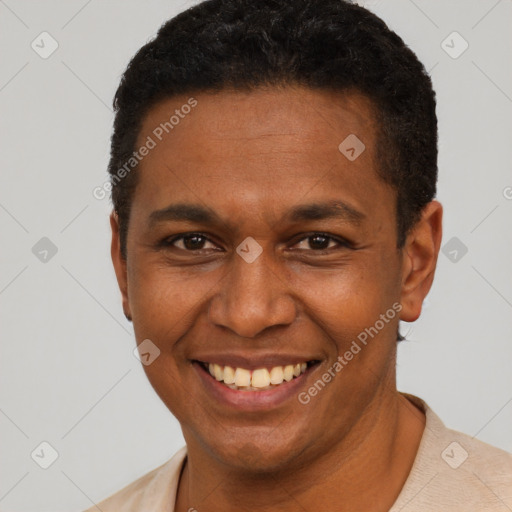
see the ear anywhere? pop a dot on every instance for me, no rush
(119, 264)
(420, 253)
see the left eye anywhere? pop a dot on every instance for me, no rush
(319, 242)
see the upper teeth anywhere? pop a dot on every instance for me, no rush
(259, 378)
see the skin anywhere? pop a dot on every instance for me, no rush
(251, 157)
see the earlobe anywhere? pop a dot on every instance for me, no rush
(119, 264)
(419, 260)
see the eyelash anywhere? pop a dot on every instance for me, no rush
(169, 242)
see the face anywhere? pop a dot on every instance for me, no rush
(255, 243)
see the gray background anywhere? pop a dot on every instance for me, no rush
(68, 374)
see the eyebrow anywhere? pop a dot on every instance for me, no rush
(329, 210)
(199, 214)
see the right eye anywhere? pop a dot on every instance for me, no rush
(189, 242)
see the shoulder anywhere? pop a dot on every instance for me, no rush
(484, 471)
(455, 472)
(154, 491)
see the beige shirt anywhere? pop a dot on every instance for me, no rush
(451, 472)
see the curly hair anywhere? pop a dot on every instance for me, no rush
(322, 44)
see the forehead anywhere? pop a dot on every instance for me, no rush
(265, 148)
(246, 119)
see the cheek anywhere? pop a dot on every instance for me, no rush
(353, 310)
(165, 303)
(346, 300)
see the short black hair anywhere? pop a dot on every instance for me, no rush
(322, 44)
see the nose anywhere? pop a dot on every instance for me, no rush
(253, 297)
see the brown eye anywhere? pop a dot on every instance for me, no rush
(194, 242)
(318, 242)
(190, 242)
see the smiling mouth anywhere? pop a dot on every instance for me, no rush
(260, 379)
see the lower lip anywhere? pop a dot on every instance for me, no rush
(253, 400)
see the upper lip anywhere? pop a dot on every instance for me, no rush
(254, 361)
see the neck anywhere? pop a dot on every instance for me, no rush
(365, 470)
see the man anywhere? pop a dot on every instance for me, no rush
(273, 172)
